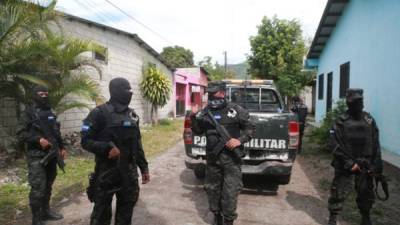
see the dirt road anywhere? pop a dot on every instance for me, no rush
(176, 197)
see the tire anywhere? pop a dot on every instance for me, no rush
(200, 171)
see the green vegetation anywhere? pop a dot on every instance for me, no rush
(216, 71)
(320, 135)
(178, 57)
(161, 137)
(155, 88)
(14, 196)
(277, 53)
(239, 70)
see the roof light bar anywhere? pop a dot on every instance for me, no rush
(249, 82)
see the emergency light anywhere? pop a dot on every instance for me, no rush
(249, 82)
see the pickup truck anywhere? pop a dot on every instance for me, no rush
(272, 151)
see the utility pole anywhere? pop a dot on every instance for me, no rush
(225, 61)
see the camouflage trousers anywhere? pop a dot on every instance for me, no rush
(127, 197)
(41, 180)
(341, 187)
(223, 185)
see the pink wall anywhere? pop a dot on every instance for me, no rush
(190, 76)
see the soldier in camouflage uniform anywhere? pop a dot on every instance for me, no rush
(111, 131)
(223, 171)
(354, 134)
(35, 118)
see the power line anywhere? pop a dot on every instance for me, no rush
(90, 9)
(110, 18)
(137, 21)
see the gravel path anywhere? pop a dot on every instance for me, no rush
(176, 197)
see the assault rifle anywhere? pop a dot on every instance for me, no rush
(366, 169)
(54, 148)
(224, 137)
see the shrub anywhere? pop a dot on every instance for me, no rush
(165, 122)
(321, 134)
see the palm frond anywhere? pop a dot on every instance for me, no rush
(79, 85)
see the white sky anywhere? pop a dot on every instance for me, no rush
(207, 27)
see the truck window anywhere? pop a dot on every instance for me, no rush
(269, 101)
(255, 99)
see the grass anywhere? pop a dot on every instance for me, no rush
(14, 196)
(161, 137)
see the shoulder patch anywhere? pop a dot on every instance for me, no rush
(368, 118)
(232, 113)
(85, 127)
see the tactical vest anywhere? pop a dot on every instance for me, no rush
(358, 136)
(47, 121)
(43, 122)
(122, 129)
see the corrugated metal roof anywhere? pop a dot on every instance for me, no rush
(332, 13)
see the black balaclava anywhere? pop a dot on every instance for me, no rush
(41, 102)
(355, 102)
(121, 93)
(213, 101)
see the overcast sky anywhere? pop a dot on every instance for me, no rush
(207, 27)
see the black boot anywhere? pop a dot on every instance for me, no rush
(332, 219)
(218, 219)
(36, 217)
(48, 214)
(365, 218)
(228, 222)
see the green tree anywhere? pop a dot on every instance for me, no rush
(178, 57)
(216, 71)
(156, 88)
(277, 53)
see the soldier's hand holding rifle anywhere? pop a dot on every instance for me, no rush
(356, 168)
(114, 153)
(44, 143)
(233, 143)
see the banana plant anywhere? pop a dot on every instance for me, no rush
(156, 88)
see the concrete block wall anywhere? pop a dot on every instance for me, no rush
(8, 121)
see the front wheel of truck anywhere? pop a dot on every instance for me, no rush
(200, 171)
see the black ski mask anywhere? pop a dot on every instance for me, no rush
(355, 102)
(41, 101)
(121, 93)
(216, 102)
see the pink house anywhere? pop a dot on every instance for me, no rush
(189, 85)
